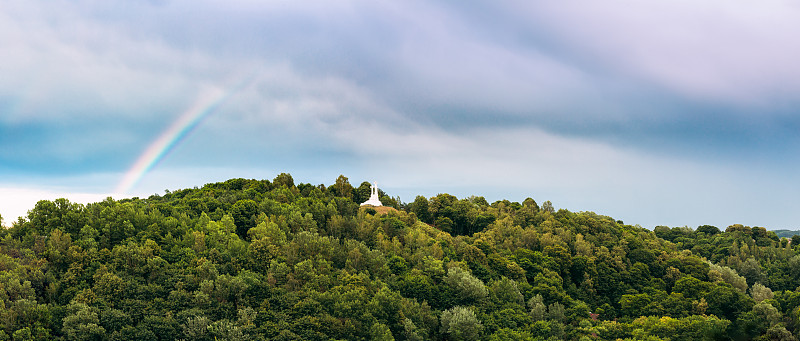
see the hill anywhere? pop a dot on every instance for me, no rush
(786, 233)
(259, 259)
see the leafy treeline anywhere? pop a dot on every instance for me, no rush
(786, 233)
(766, 264)
(275, 260)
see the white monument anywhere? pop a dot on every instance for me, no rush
(373, 196)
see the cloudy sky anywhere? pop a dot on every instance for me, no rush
(670, 113)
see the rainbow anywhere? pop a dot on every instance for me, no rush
(207, 102)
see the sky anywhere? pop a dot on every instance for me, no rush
(678, 113)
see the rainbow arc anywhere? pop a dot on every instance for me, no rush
(207, 102)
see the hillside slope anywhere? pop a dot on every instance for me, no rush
(258, 259)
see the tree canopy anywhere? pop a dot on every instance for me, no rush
(278, 260)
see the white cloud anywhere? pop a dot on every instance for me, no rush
(738, 52)
(334, 81)
(60, 65)
(577, 174)
(15, 202)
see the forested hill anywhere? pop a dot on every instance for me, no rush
(275, 260)
(786, 233)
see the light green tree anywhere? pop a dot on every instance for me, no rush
(538, 309)
(82, 323)
(196, 328)
(759, 292)
(411, 331)
(380, 332)
(343, 187)
(465, 285)
(556, 312)
(460, 323)
(727, 275)
(547, 206)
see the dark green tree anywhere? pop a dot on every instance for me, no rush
(244, 213)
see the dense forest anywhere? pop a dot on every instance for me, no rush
(274, 260)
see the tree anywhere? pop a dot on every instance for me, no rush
(547, 206)
(708, 230)
(538, 309)
(283, 179)
(555, 312)
(342, 187)
(727, 302)
(727, 275)
(529, 202)
(751, 270)
(506, 293)
(420, 208)
(779, 333)
(795, 240)
(460, 323)
(196, 328)
(82, 323)
(380, 332)
(759, 292)
(758, 320)
(691, 287)
(466, 287)
(444, 223)
(362, 193)
(244, 212)
(114, 320)
(227, 330)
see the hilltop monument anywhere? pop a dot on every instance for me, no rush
(373, 196)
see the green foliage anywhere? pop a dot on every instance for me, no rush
(460, 323)
(342, 187)
(759, 292)
(689, 328)
(380, 332)
(257, 259)
(82, 323)
(244, 214)
(467, 288)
